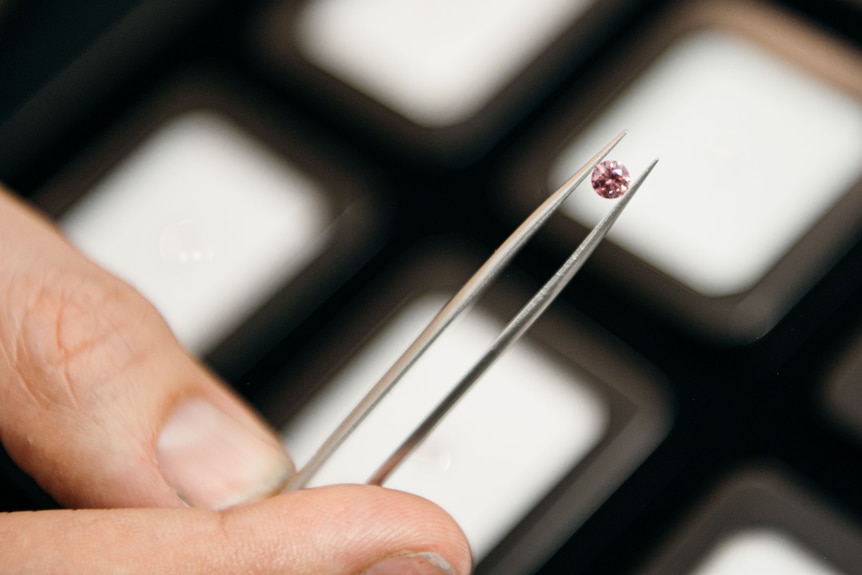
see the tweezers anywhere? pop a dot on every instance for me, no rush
(460, 303)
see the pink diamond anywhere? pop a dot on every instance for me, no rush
(611, 179)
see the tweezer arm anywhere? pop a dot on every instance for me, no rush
(474, 287)
(512, 332)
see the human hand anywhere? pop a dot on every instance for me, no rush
(170, 471)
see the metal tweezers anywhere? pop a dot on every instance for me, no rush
(461, 302)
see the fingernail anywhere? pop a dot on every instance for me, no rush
(413, 564)
(214, 461)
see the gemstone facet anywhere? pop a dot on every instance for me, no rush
(611, 179)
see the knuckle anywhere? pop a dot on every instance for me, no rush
(77, 332)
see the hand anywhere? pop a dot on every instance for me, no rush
(170, 471)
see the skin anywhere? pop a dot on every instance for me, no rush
(89, 375)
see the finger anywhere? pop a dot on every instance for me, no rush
(99, 403)
(333, 530)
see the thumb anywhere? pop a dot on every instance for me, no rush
(98, 401)
(333, 530)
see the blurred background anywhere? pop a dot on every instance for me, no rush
(298, 185)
